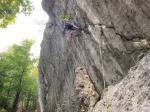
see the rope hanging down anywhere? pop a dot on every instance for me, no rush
(66, 8)
(102, 67)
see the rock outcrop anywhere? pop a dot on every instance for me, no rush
(118, 37)
(132, 94)
(86, 95)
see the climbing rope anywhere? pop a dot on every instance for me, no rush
(66, 8)
(102, 68)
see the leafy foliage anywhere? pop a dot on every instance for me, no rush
(10, 8)
(18, 78)
(64, 16)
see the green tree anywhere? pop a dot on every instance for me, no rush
(18, 81)
(10, 8)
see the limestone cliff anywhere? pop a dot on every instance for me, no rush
(74, 73)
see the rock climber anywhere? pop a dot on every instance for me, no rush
(70, 26)
(72, 29)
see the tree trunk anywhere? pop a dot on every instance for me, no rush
(16, 100)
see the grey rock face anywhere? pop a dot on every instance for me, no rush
(119, 35)
(132, 94)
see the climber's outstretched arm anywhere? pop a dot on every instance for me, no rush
(75, 26)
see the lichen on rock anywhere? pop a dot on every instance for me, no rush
(85, 92)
